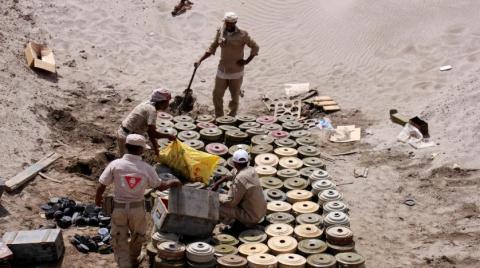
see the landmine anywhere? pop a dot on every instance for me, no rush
(304, 172)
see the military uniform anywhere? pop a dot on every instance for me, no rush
(230, 73)
(245, 201)
(137, 122)
(130, 176)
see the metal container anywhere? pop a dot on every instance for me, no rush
(336, 218)
(266, 119)
(290, 162)
(232, 261)
(310, 218)
(274, 195)
(322, 185)
(321, 261)
(225, 239)
(280, 217)
(205, 118)
(305, 207)
(265, 171)
(300, 133)
(245, 118)
(279, 229)
(286, 152)
(188, 135)
(287, 118)
(262, 261)
(329, 195)
(308, 151)
(195, 144)
(211, 134)
(226, 120)
(272, 127)
(248, 249)
(164, 123)
(261, 149)
(288, 173)
(164, 116)
(266, 160)
(202, 125)
(319, 174)
(292, 125)
(262, 139)
(306, 141)
(350, 260)
(248, 125)
(181, 126)
(278, 206)
(291, 261)
(309, 247)
(307, 231)
(339, 235)
(282, 244)
(271, 182)
(223, 249)
(183, 118)
(285, 142)
(295, 183)
(305, 172)
(256, 131)
(200, 252)
(171, 251)
(314, 162)
(294, 196)
(252, 236)
(334, 206)
(216, 149)
(279, 134)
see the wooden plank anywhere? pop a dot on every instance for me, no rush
(45, 176)
(326, 103)
(331, 108)
(32, 171)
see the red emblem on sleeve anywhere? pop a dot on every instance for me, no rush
(132, 181)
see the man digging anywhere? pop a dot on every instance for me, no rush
(232, 41)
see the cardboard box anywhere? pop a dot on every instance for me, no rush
(40, 56)
(35, 246)
(191, 212)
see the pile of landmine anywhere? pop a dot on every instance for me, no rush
(66, 212)
(307, 223)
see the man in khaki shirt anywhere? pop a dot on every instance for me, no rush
(142, 120)
(232, 41)
(130, 176)
(245, 202)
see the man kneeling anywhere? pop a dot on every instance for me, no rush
(244, 205)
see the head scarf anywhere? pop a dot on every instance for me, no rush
(160, 94)
(228, 17)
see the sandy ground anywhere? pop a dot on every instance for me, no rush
(370, 56)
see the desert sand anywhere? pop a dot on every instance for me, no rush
(370, 56)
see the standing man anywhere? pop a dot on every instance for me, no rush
(245, 204)
(232, 42)
(130, 176)
(142, 120)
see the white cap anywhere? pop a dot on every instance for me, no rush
(240, 156)
(230, 17)
(137, 140)
(160, 94)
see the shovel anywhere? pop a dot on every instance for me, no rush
(184, 103)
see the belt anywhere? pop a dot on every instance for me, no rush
(129, 205)
(126, 130)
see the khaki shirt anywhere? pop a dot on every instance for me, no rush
(232, 50)
(245, 201)
(130, 176)
(140, 118)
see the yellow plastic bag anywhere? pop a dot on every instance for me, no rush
(193, 164)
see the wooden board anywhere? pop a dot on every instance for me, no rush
(322, 98)
(325, 103)
(32, 171)
(331, 108)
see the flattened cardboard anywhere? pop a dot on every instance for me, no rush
(346, 134)
(40, 57)
(296, 89)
